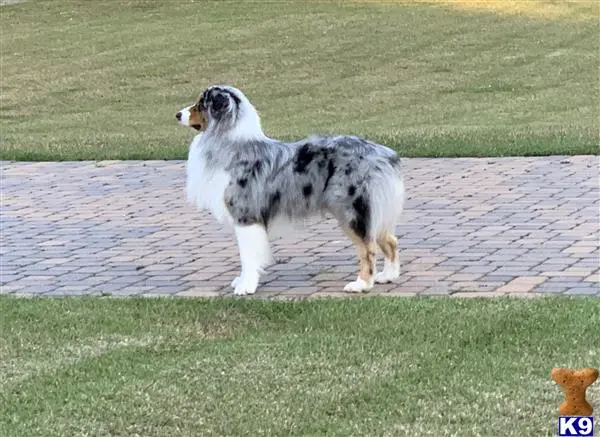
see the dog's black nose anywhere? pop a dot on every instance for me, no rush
(178, 116)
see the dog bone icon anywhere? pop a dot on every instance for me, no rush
(574, 383)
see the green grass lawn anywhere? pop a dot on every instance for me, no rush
(103, 80)
(363, 367)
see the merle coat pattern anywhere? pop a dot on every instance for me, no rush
(258, 183)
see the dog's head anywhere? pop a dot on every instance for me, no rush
(193, 116)
(223, 110)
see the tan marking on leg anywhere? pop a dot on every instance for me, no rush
(388, 243)
(367, 262)
(366, 255)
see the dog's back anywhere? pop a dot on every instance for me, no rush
(357, 181)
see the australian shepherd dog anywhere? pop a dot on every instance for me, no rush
(257, 184)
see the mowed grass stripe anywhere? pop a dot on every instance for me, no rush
(239, 367)
(103, 80)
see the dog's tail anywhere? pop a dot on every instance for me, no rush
(387, 197)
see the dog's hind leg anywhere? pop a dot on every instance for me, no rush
(388, 243)
(366, 253)
(255, 254)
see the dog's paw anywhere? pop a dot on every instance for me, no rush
(244, 286)
(358, 286)
(386, 276)
(390, 272)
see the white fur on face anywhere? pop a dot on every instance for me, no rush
(185, 116)
(255, 254)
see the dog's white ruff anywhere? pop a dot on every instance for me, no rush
(205, 188)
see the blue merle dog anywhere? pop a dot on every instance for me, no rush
(257, 184)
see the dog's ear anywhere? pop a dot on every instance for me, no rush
(219, 101)
(215, 100)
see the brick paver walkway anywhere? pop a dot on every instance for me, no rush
(472, 227)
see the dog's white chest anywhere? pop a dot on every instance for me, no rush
(205, 186)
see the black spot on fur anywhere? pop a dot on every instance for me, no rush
(270, 210)
(256, 167)
(242, 182)
(330, 172)
(360, 224)
(307, 190)
(348, 170)
(303, 158)
(351, 190)
(394, 160)
(230, 202)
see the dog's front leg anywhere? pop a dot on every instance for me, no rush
(255, 254)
